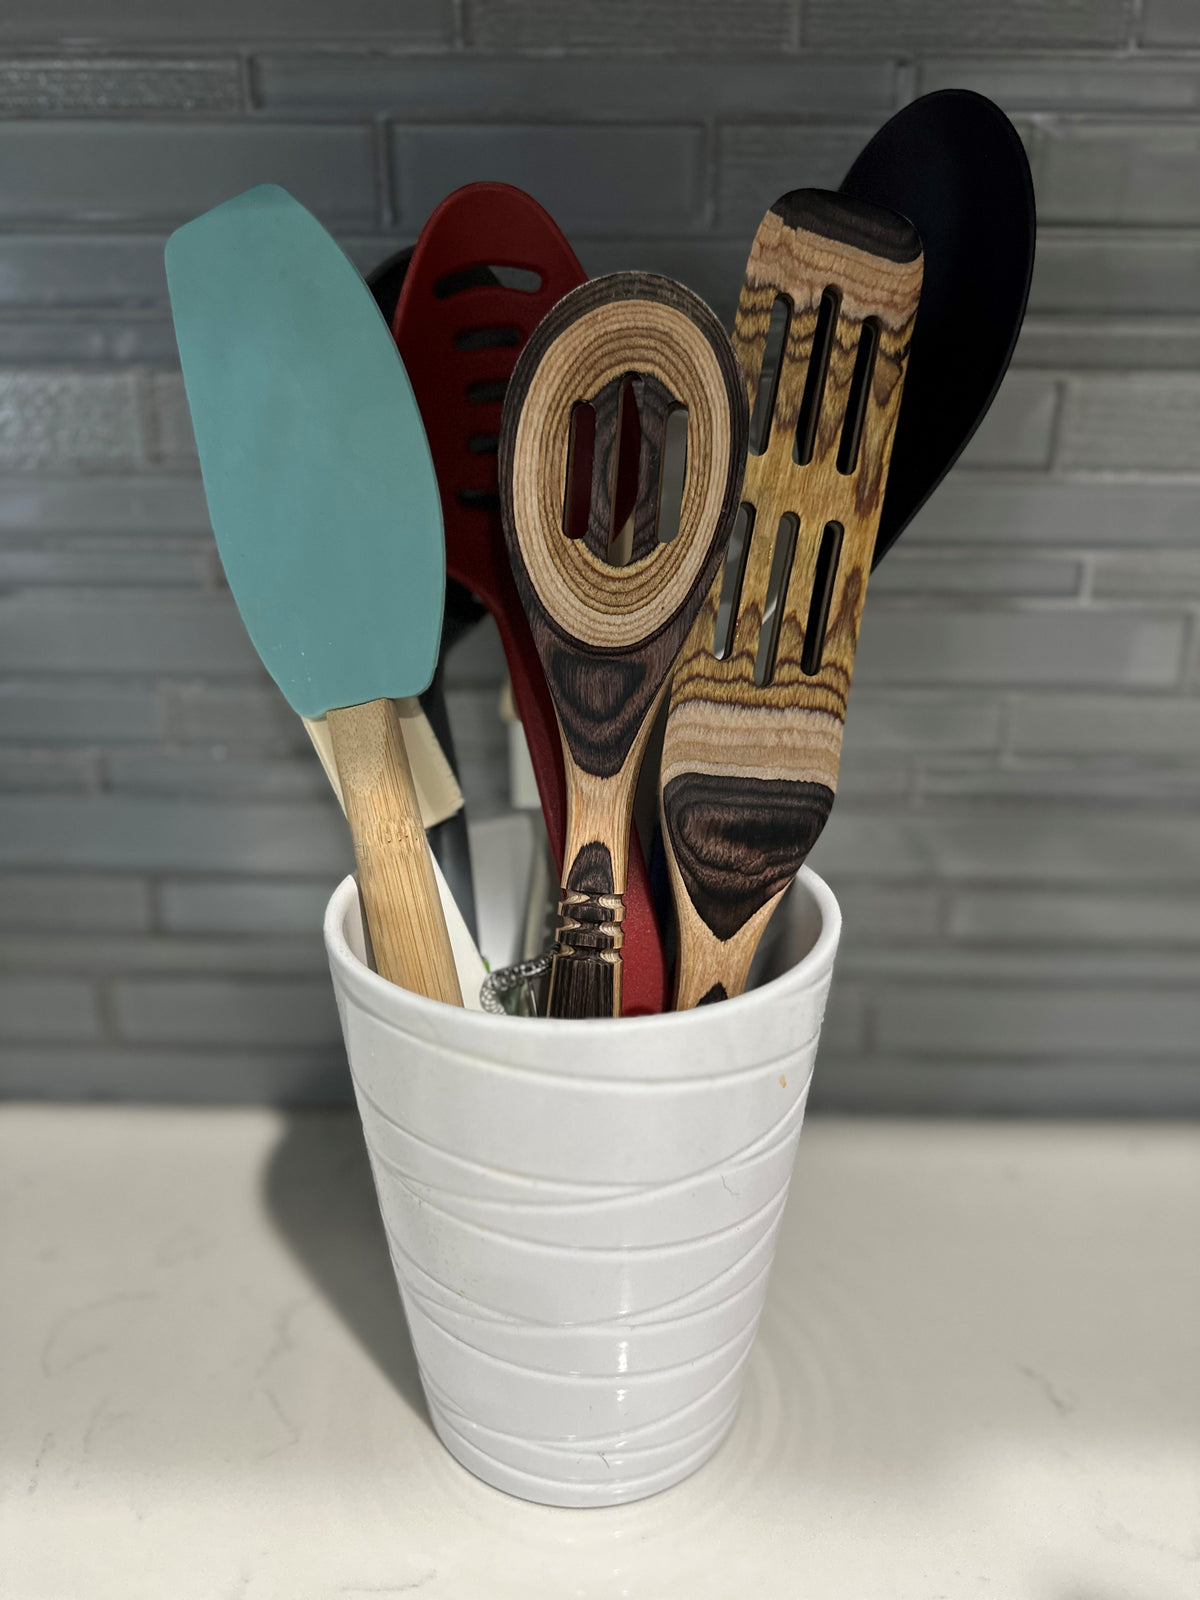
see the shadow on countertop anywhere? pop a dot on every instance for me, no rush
(319, 1193)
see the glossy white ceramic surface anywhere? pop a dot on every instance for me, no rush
(582, 1215)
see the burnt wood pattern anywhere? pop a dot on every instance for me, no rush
(608, 636)
(749, 771)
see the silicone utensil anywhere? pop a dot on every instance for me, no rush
(953, 164)
(323, 500)
(448, 837)
(607, 636)
(460, 330)
(754, 729)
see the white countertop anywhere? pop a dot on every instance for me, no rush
(978, 1375)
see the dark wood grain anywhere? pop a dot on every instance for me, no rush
(609, 635)
(749, 769)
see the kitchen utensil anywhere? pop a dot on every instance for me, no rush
(754, 729)
(325, 507)
(448, 838)
(416, 733)
(607, 636)
(460, 330)
(953, 164)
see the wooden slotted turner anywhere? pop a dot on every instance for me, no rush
(607, 635)
(459, 329)
(325, 507)
(754, 729)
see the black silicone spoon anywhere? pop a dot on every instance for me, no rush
(954, 165)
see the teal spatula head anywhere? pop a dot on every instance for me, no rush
(319, 482)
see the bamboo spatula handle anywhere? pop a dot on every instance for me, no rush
(395, 871)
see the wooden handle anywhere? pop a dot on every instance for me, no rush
(749, 768)
(395, 872)
(607, 635)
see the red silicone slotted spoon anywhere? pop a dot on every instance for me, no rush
(459, 336)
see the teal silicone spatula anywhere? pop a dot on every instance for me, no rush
(323, 499)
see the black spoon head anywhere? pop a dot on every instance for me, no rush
(953, 164)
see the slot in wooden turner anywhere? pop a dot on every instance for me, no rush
(751, 751)
(607, 636)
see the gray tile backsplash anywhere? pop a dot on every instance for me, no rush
(1017, 841)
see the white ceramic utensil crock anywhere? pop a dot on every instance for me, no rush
(582, 1214)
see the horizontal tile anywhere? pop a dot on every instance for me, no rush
(242, 906)
(1018, 844)
(1132, 422)
(974, 509)
(570, 88)
(1090, 1087)
(844, 1024)
(637, 178)
(64, 270)
(964, 24)
(912, 721)
(1031, 1021)
(213, 1076)
(1095, 917)
(711, 268)
(70, 86)
(183, 955)
(76, 339)
(1039, 966)
(203, 775)
(1107, 343)
(1082, 783)
(167, 423)
(239, 718)
(1118, 171)
(24, 771)
(1061, 82)
(105, 562)
(1134, 272)
(122, 631)
(684, 27)
(134, 833)
(47, 1008)
(1018, 430)
(418, 23)
(110, 504)
(253, 1011)
(911, 570)
(877, 913)
(1067, 646)
(1143, 730)
(81, 421)
(866, 776)
(73, 711)
(1165, 22)
(1150, 575)
(74, 902)
(759, 161)
(125, 171)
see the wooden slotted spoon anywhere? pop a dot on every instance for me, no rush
(607, 635)
(754, 729)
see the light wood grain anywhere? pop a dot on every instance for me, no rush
(749, 771)
(607, 635)
(395, 871)
(438, 792)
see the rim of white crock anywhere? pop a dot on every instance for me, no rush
(391, 1002)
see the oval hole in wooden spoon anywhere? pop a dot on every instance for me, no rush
(581, 454)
